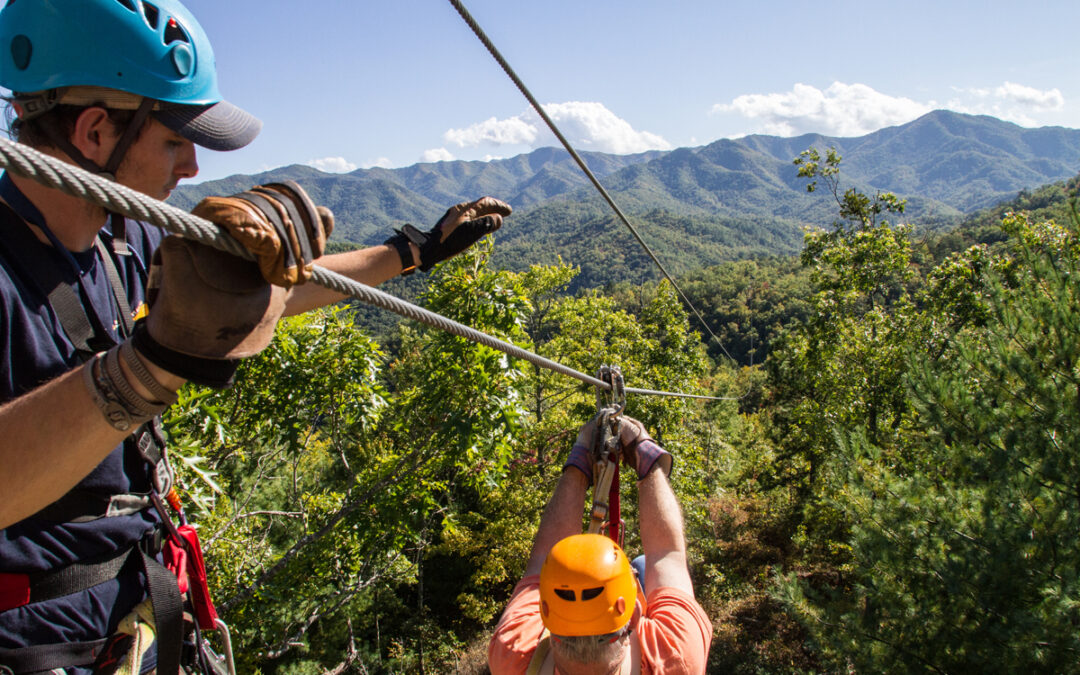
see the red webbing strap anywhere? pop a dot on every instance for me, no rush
(614, 517)
(205, 613)
(184, 558)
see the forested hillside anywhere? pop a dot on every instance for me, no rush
(890, 488)
(728, 200)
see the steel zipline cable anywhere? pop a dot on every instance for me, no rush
(49, 171)
(580, 162)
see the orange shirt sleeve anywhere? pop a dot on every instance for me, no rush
(675, 634)
(518, 631)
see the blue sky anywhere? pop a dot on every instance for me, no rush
(344, 84)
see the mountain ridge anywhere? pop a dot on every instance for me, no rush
(741, 197)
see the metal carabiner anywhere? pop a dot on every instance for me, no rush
(610, 404)
(226, 643)
(615, 397)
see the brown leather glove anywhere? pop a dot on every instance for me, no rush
(460, 227)
(208, 309)
(639, 450)
(277, 222)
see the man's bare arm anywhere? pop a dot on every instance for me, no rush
(370, 266)
(52, 438)
(662, 535)
(562, 517)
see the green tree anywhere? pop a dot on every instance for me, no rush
(957, 526)
(843, 368)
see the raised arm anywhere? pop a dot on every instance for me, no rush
(459, 228)
(662, 534)
(562, 517)
(563, 514)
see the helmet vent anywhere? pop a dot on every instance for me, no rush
(590, 593)
(151, 13)
(565, 594)
(127, 3)
(174, 33)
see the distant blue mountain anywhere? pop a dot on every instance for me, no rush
(731, 198)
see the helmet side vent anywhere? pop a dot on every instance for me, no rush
(151, 13)
(174, 33)
(128, 3)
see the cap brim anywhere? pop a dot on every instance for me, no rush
(221, 126)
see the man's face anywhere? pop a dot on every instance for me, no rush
(156, 162)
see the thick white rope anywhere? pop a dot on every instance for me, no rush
(47, 170)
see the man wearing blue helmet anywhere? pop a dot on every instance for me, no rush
(102, 320)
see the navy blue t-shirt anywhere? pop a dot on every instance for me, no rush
(36, 350)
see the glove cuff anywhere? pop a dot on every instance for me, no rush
(650, 456)
(216, 373)
(400, 242)
(581, 459)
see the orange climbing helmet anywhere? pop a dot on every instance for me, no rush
(586, 587)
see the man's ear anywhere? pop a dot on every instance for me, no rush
(94, 134)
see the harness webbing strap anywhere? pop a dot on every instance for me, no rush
(168, 614)
(119, 294)
(63, 297)
(69, 310)
(541, 664)
(82, 506)
(164, 596)
(48, 657)
(76, 577)
(614, 513)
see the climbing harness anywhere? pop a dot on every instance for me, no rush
(610, 403)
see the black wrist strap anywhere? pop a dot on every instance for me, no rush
(400, 241)
(216, 373)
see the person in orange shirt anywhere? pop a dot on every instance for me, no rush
(578, 609)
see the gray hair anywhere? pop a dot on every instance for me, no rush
(590, 649)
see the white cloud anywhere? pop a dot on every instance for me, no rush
(382, 163)
(587, 125)
(1029, 96)
(840, 110)
(332, 164)
(857, 109)
(513, 131)
(436, 155)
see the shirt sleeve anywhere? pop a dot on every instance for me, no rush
(675, 634)
(518, 632)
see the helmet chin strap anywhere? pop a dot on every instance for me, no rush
(127, 139)
(129, 136)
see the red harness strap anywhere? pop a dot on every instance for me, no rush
(614, 516)
(185, 560)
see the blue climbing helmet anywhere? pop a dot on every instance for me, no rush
(154, 49)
